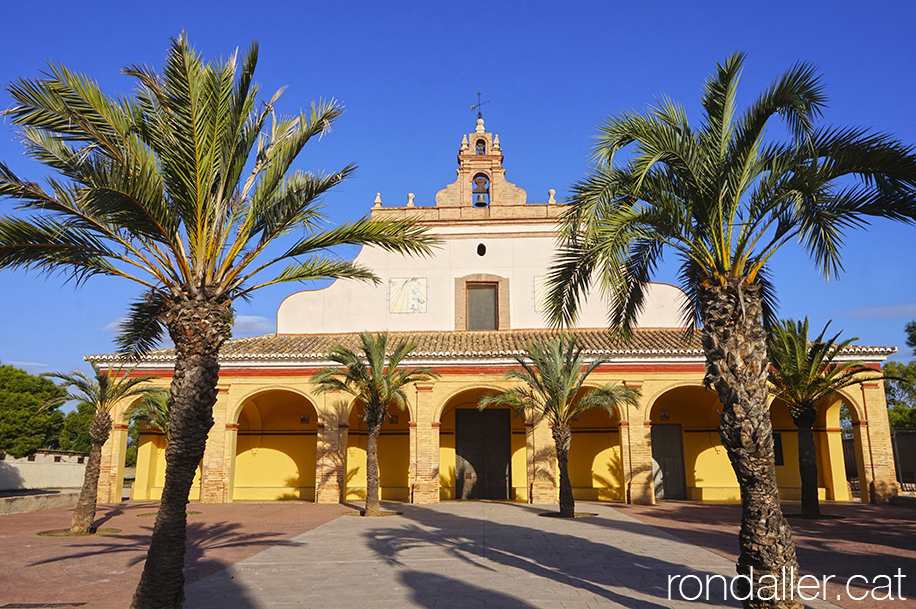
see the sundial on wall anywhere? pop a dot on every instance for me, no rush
(407, 295)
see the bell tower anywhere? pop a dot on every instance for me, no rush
(481, 183)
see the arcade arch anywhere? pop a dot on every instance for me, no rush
(276, 444)
(482, 454)
(393, 455)
(688, 459)
(828, 440)
(595, 457)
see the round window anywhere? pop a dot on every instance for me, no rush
(481, 249)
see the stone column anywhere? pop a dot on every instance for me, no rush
(215, 472)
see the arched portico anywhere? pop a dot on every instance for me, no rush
(595, 457)
(149, 478)
(688, 459)
(482, 454)
(393, 455)
(275, 454)
(828, 440)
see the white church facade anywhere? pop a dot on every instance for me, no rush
(472, 305)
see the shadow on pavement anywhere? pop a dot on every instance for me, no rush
(569, 559)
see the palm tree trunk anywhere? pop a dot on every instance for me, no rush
(198, 329)
(562, 437)
(736, 366)
(84, 514)
(807, 468)
(372, 499)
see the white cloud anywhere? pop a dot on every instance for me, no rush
(30, 367)
(899, 311)
(114, 326)
(252, 325)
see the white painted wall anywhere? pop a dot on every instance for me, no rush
(43, 472)
(518, 251)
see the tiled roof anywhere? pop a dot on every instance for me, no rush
(450, 345)
(647, 343)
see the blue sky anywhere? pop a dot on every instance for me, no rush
(408, 73)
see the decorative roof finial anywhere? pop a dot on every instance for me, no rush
(378, 200)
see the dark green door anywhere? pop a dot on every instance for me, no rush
(482, 454)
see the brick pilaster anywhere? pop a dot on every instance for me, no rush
(111, 469)
(424, 449)
(640, 488)
(542, 463)
(330, 474)
(879, 453)
(215, 468)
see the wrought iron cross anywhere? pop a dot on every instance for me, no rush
(479, 104)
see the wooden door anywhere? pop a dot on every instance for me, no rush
(482, 454)
(668, 461)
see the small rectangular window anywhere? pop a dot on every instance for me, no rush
(57, 458)
(482, 306)
(777, 449)
(31, 458)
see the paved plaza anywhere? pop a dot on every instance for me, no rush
(466, 555)
(455, 554)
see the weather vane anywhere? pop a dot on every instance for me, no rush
(479, 104)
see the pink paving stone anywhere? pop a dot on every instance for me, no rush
(102, 571)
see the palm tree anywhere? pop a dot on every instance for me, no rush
(186, 188)
(724, 197)
(377, 384)
(553, 373)
(154, 409)
(103, 391)
(803, 373)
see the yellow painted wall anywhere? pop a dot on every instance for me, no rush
(708, 472)
(595, 464)
(150, 477)
(276, 448)
(831, 470)
(393, 456)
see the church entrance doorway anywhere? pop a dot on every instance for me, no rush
(483, 454)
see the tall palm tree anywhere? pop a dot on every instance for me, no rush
(154, 409)
(724, 197)
(186, 188)
(802, 373)
(553, 374)
(103, 390)
(372, 375)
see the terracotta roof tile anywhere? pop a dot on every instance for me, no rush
(649, 343)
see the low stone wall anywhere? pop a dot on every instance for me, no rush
(37, 501)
